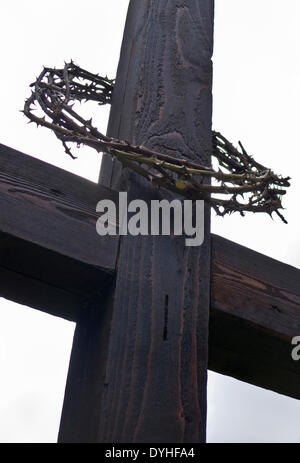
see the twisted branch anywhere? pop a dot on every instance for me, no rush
(239, 184)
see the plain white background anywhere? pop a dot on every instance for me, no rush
(256, 100)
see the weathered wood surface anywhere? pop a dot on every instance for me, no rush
(255, 312)
(255, 300)
(51, 257)
(150, 385)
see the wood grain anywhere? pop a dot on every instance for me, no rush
(48, 239)
(255, 312)
(154, 374)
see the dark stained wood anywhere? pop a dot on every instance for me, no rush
(255, 300)
(139, 359)
(255, 303)
(87, 365)
(255, 312)
(51, 257)
(153, 386)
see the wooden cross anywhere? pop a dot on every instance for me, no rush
(152, 314)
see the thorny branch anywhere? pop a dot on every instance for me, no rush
(239, 184)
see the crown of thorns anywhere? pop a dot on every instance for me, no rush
(239, 184)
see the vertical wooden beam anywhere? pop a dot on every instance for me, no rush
(153, 376)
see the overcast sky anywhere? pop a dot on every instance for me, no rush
(256, 100)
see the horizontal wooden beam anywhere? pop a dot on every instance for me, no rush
(255, 312)
(51, 257)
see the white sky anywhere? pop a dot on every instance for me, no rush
(256, 100)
